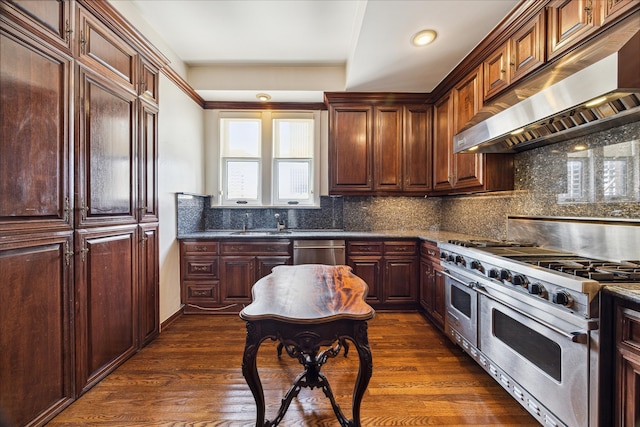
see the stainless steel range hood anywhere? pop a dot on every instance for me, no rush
(599, 96)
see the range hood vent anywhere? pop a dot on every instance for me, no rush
(600, 96)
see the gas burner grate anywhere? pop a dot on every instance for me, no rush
(490, 243)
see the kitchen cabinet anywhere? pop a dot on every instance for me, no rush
(106, 298)
(390, 269)
(379, 148)
(570, 22)
(627, 364)
(520, 55)
(457, 172)
(51, 20)
(36, 367)
(78, 200)
(350, 149)
(614, 9)
(217, 277)
(432, 298)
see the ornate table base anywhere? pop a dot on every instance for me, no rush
(303, 342)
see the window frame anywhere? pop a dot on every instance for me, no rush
(268, 181)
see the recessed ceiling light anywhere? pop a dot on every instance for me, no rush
(424, 37)
(263, 97)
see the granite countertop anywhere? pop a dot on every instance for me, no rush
(433, 236)
(627, 291)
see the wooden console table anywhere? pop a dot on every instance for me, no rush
(306, 307)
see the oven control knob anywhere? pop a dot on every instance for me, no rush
(536, 289)
(519, 280)
(460, 260)
(505, 275)
(444, 255)
(451, 258)
(494, 273)
(563, 298)
(475, 265)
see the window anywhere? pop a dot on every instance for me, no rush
(268, 158)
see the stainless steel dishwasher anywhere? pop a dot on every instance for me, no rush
(328, 252)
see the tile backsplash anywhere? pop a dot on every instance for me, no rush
(597, 175)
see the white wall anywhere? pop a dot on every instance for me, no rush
(180, 169)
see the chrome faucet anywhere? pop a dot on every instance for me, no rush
(280, 225)
(245, 221)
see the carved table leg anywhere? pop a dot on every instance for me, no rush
(250, 370)
(365, 370)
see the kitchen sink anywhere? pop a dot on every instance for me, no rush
(260, 233)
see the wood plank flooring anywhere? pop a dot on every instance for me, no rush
(191, 376)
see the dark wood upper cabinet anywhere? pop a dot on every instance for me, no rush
(350, 148)
(35, 153)
(388, 149)
(417, 153)
(379, 148)
(520, 55)
(442, 143)
(103, 50)
(148, 163)
(106, 173)
(570, 22)
(50, 20)
(527, 48)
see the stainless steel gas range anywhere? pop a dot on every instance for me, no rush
(529, 315)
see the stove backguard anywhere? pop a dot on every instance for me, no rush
(609, 239)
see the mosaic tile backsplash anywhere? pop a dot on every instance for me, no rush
(597, 175)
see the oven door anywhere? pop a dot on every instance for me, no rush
(543, 359)
(462, 306)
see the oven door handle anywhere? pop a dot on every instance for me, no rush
(581, 337)
(471, 284)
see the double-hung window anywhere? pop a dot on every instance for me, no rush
(269, 158)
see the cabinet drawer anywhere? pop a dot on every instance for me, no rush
(202, 292)
(267, 247)
(199, 247)
(430, 250)
(400, 248)
(629, 329)
(364, 248)
(195, 268)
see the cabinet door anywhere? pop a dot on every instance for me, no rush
(426, 286)
(467, 101)
(527, 48)
(149, 76)
(35, 153)
(496, 71)
(387, 141)
(570, 22)
(51, 19)
(148, 163)
(107, 298)
(350, 149)
(442, 144)
(36, 374)
(615, 8)
(102, 49)
(148, 295)
(237, 276)
(438, 309)
(368, 269)
(106, 168)
(266, 263)
(418, 164)
(627, 359)
(400, 280)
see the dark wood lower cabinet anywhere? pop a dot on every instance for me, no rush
(36, 356)
(390, 269)
(148, 282)
(106, 298)
(627, 364)
(432, 284)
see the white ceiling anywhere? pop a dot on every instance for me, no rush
(237, 48)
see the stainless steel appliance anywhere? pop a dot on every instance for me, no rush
(329, 252)
(537, 308)
(529, 316)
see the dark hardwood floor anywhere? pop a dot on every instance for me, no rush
(191, 376)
